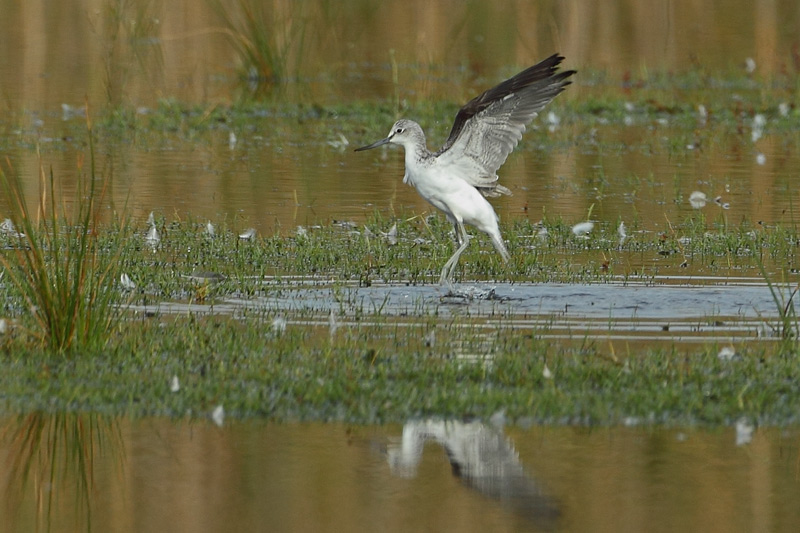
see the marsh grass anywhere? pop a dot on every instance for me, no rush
(788, 327)
(346, 253)
(129, 33)
(265, 39)
(63, 277)
(389, 372)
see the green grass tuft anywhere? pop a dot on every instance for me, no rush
(66, 282)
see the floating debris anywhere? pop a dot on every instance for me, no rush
(248, 234)
(759, 121)
(631, 421)
(744, 432)
(7, 228)
(126, 282)
(69, 112)
(581, 229)
(542, 234)
(702, 113)
(726, 353)
(333, 323)
(750, 65)
(231, 141)
(278, 325)
(174, 384)
(153, 238)
(622, 233)
(698, 199)
(339, 144)
(761, 159)
(546, 373)
(218, 415)
(553, 121)
(345, 224)
(301, 232)
(210, 229)
(391, 235)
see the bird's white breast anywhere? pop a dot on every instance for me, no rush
(446, 191)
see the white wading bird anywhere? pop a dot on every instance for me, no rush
(458, 178)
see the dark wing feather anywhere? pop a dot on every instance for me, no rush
(489, 126)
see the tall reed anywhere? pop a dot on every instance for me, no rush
(64, 279)
(268, 38)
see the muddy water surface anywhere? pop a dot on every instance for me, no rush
(154, 474)
(670, 311)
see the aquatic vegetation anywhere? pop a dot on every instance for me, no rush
(63, 271)
(129, 33)
(356, 361)
(346, 357)
(266, 40)
(188, 261)
(788, 327)
(390, 372)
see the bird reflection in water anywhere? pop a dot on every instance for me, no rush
(483, 459)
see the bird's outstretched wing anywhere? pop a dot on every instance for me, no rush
(490, 125)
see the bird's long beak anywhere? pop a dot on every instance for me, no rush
(374, 145)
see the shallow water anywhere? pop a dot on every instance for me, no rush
(155, 474)
(298, 170)
(660, 310)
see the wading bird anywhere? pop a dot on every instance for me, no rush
(459, 177)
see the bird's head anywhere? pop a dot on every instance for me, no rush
(406, 133)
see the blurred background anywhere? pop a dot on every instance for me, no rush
(323, 77)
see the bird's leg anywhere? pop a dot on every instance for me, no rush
(450, 266)
(457, 233)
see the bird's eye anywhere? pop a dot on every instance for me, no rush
(399, 130)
